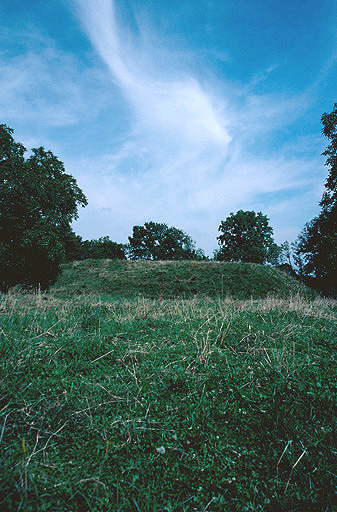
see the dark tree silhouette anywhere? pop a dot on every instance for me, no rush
(317, 243)
(155, 241)
(38, 201)
(246, 236)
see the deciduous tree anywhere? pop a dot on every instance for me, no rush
(155, 241)
(38, 201)
(247, 237)
(102, 248)
(317, 243)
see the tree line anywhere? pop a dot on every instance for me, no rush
(39, 201)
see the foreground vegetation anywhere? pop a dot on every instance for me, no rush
(156, 404)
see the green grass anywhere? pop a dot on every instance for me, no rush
(138, 404)
(169, 279)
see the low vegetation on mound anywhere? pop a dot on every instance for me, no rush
(153, 405)
(155, 279)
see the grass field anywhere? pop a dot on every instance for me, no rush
(198, 403)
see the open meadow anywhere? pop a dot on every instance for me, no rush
(117, 400)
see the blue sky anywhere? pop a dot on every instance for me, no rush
(178, 112)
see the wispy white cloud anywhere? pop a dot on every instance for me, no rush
(45, 85)
(188, 159)
(193, 152)
(175, 110)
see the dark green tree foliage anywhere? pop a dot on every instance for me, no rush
(155, 241)
(73, 246)
(78, 249)
(102, 248)
(329, 200)
(247, 237)
(317, 244)
(38, 201)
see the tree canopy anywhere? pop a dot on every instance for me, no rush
(38, 201)
(317, 243)
(155, 241)
(246, 237)
(102, 248)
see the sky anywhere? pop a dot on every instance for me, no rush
(175, 111)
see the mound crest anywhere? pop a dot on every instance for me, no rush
(175, 279)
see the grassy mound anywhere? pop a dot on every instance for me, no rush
(175, 279)
(167, 405)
